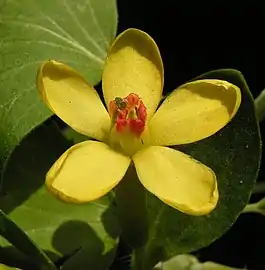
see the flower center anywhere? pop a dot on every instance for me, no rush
(128, 116)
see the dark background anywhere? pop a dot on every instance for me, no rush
(193, 39)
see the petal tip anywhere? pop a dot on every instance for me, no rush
(181, 182)
(86, 172)
(60, 195)
(134, 65)
(207, 207)
(195, 111)
(203, 210)
(68, 94)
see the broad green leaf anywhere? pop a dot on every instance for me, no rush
(234, 154)
(260, 106)
(4, 267)
(11, 232)
(189, 262)
(76, 32)
(86, 233)
(180, 262)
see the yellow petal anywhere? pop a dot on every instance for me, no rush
(177, 179)
(71, 98)
(86, 172)
(134, 65)
(194, 111)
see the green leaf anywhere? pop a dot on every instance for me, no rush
(180, 262)
(260, 106)
(4, 267)
(234, 154)
(85, 234)
(11, 232)
(189, 262)
(76, 32)
(258, 207)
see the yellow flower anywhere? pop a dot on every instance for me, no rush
(134, 129)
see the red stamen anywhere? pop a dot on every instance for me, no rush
(128, 113)
(142, 112)
(121, 124)
(133, 100)
(137, 126)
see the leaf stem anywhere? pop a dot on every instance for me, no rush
(258, 207)
(251, 208)
(259, 188)
(130, 201)
(260, 106)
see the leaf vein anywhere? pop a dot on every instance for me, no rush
(43, 42)
(95, 20)
(23, 115)
(17, 68)
(83, 30)
(88, 53)
(10, 103)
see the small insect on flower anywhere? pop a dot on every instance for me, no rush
(120, 103)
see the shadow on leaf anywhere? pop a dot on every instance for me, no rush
(81, 247)
(12, 257)
(74, 236)
(29, 163)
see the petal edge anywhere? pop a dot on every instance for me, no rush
(70, 97)
(177, 179)
(134, 65)
(194, 111)
(86, 172)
